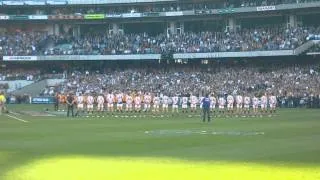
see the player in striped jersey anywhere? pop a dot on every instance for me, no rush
(185, 104)
(193, 103)
(175, 104)
(129, 102)
(100, 104)
(90, 102)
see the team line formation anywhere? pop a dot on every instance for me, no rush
(111, 103)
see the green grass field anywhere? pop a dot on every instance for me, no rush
(285, 147)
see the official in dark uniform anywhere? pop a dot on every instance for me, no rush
(70, 103)
(206, 108)
(56, 102)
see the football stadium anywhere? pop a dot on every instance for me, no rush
(159, 89)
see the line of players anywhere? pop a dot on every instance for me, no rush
(147, 102)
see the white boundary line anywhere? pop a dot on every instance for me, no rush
(17, 118)
(14, 113)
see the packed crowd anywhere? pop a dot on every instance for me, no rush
(22, 43)
(169, 7)
(19, 74)
(290, 80)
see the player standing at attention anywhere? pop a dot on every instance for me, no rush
(246, 105)
(90, 102)
(230, 101)
(80, 104)
(110, 100)
(184, 104)
(100, 104)
(255, 105)
(137, 103)
(193, 103)
(62, 102)
(222, 103)
(156, 104)
(272, 103)
(264, 104)
(239, 101)
(165, 102)
(213, 102)
(147, 102)
(119, 101)
(175, 104)
(129, 101)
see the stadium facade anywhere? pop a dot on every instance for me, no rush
(76, 18)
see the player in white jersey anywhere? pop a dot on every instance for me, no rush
(90, 102)
(230, 101)
(184, 104)
(175, 104)
(264, 103)
(213, 103)
(147, 102)
(129, 102)
(165, 102)
(222, 103)
(247, 102)
(193, 103)
(100, 103)
(119, 98)
(156, 104)
(272, 103)
(239, 101)
(137, 103)
(80, 104)
(255, 105)
(110, 100)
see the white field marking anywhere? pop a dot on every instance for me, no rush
(14, 113)
(17, 118)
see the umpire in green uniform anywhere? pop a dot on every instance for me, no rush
(206, 108)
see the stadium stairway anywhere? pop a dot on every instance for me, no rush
(16, 84)
(304, 47)
(34, 89)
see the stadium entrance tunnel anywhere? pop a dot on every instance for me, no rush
(95, 167)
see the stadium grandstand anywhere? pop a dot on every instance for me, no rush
(227, 47)
(159, 89)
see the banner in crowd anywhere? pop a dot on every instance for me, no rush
(42, 100)
(19, 17)
(232, 54)
(198, 12)
(113, 15)
(38, 17)
(151, 14)
(4, 17)
(61, 17)
(224, 11)
(113, 1)
(94, 16)
(177, 13)
(19, 58)
(13, 3)
(56, 2)
(132, 15)
(266, 8)
(35, 3)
